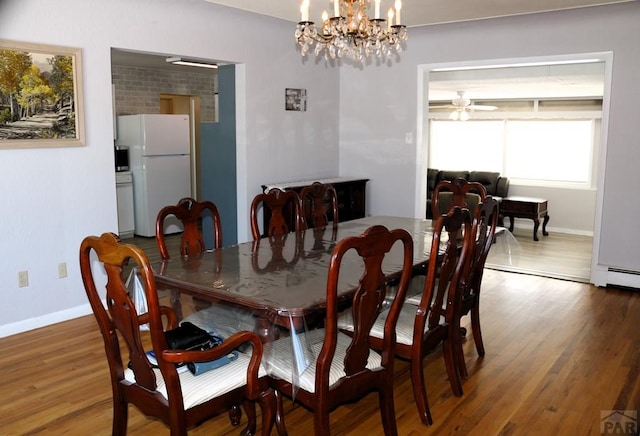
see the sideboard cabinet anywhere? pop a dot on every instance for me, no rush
(351, 196)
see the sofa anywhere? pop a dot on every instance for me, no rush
(496, 185)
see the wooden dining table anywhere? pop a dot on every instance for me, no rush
(282, 280)
(276, 286)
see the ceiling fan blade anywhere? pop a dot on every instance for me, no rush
(484, 107)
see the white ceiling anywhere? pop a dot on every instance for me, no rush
(420, 12)
(575, 80)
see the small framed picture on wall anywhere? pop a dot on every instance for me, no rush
(295, 99)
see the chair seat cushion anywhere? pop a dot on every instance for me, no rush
(404, 328)
(211, 384)
(222, 320)
(280, 363)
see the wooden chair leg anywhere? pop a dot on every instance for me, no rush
(387, 410)
(321, 420)
(250, 410)
(268, 407)
(282, 430)
(235, 415)
(459, 354)
(449, 347)
(475, 327)
(420, 392)
(120, 417)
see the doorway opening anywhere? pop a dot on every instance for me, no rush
(187, 105)
(526, 90)
(147, 83)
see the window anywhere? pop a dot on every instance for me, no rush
(536, 151)
(476, 145)
(549, 150)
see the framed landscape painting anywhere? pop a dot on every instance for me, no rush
(40, 96)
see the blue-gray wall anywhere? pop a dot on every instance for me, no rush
(218, 159)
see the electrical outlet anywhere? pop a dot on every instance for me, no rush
(62, 270)
(23, 279)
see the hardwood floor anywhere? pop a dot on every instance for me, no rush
(559, 255)
(558, 353)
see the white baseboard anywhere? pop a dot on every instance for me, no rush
(45, 320)
(602, 276)
(628, 279)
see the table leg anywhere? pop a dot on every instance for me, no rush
(544, 225)
(536, 224)
(511, 221)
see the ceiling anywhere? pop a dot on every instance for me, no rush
(584, 80)
(572, 80)
(420, 12)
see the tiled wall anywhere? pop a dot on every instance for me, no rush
(137, 90)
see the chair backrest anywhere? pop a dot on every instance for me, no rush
(367, 303)
(453, 241)
(190, 212)
(120, 318)
(483, 230)
(457, 192)
(284, 208)
(313, 204)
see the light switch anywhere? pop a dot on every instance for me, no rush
(62, 270)
(408, 138)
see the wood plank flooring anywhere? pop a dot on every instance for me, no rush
(559, 255)
(558, 353)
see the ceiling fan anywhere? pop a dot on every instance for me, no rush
(460, 104)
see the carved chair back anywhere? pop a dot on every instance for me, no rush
(284, 208)
(313, 204)
(190, 213)
(457, 192)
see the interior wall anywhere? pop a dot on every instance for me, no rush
(219, 163)
(137, 89)
(58, 196)
(374, 144)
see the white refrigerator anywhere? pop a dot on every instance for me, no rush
(159, 158)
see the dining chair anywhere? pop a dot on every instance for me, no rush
(457, 192)
(191, 214)
(219, 319)
(483, 230)
(313, 204)
(346, 368)
(432, 320)
(283, 209)
(178, 398)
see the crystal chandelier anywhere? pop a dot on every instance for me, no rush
(351, 32)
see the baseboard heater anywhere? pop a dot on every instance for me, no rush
(623, 277)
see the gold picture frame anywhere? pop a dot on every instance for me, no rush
(41, 101)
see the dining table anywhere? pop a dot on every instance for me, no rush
(282, 280)
(276, 286)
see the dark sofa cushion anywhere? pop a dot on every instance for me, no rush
(452, 175)
(495, 185)
(488, 179)
(432, 179)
